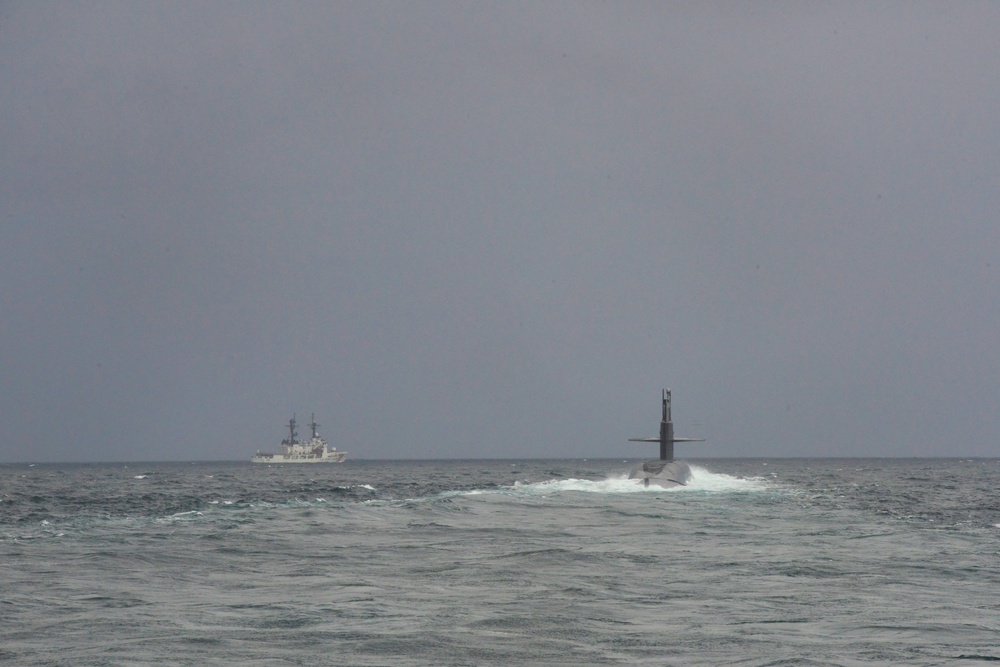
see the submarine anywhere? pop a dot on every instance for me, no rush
(665, 471)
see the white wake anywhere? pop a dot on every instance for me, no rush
(703, 481)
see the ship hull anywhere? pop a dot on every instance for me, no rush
(281, 458)
(665, 474)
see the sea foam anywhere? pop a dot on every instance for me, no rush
(702, 480)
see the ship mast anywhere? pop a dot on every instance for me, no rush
(291, 430)
(314, 426)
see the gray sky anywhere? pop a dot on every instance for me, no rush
(497, 230)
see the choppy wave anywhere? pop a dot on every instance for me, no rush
(488, 562)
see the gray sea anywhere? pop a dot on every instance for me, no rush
(565, 562)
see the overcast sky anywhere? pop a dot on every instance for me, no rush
(499, 229)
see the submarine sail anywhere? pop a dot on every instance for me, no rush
(665, 472)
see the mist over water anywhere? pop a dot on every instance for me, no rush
(756, 562)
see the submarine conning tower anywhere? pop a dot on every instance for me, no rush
(666, 430)
(666, 438)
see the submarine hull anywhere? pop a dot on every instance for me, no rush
(665, 474)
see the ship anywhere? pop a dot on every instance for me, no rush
(666, 471)
(293, 450)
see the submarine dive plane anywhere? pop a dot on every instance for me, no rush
(664, 472)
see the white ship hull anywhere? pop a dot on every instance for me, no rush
(329, 457)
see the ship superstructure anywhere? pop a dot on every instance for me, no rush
(293, 450)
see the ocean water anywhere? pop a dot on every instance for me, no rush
(565, 562)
